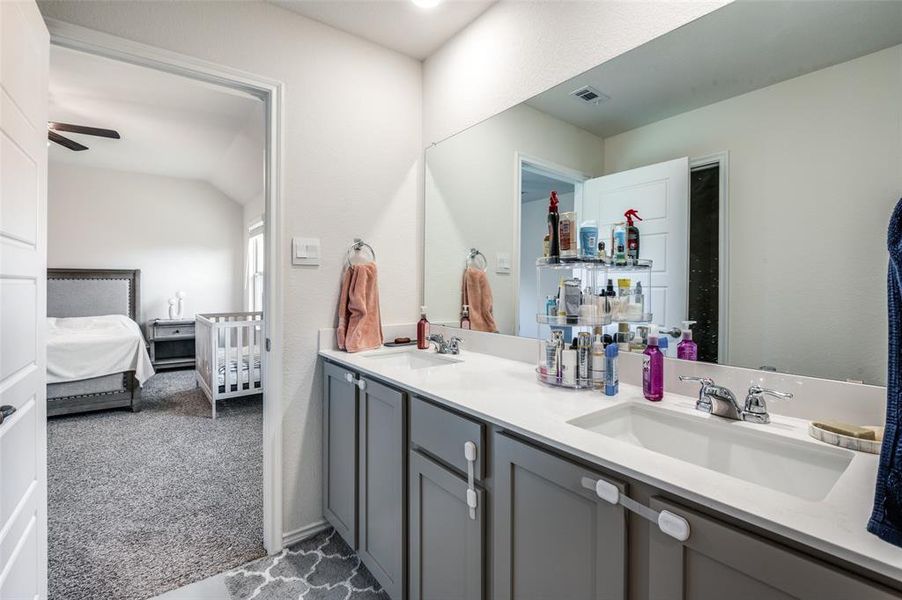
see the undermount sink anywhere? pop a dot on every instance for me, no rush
(804, 470)
(413, 359)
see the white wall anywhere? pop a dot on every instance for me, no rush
(815, 169)
(472, 200)
(516, 50)
(352, 168)
(183, 234)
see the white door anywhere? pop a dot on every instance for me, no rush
(660, 193)
(24, 55)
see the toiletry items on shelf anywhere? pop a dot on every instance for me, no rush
(611, 382)
(618, 242)
(687, 349)
(597, 362)
(568, 239)
(632, 234)
(554, 220)
(588, 239)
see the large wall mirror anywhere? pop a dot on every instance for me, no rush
(760, 144)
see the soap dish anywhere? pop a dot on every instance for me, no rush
(847, 441)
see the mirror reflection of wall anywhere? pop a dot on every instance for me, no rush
(770, 232)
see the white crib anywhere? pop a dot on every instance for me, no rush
(229, 349)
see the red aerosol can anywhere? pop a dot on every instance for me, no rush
(632, 234)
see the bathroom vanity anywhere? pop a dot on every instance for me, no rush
(770, 512)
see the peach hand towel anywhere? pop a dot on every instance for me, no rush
(359, 320)
(477, 294)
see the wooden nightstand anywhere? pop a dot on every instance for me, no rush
(171, 343)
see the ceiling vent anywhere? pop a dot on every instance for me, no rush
(590, 95)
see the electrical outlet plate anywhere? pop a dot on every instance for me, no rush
(305, 251)
(503, 263)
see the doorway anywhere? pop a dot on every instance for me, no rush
(269, 94)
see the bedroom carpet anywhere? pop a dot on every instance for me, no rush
(141, 503)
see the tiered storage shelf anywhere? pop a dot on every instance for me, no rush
(594, 313)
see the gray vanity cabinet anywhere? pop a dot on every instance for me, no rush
(719, 561)
(446, 544)
(383, 485)
(340, 413)
(552, 537)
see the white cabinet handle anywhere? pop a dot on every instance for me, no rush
(470, 456)
(361, 384)
(349, 377)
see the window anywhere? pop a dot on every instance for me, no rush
(255, 254)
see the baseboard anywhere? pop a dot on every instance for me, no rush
(302, 533)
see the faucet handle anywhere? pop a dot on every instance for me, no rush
(454, 344)
(755, 404)
(704, 402)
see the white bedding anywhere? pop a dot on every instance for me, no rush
(86, 347)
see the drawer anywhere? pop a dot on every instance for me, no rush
(442, 434)
(165, 331)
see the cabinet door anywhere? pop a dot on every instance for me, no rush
(383, 486)
(719, 561)
(553, 538)
(446, 544)
(340, 451)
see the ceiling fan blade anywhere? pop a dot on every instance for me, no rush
(107, 133)
(63, 141)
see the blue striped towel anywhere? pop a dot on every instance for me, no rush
(886, 519)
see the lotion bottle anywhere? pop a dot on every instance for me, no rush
(687, 349)
(423, 330)
(465, 317)
(653, 368)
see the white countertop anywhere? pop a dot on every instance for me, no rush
(506, 393)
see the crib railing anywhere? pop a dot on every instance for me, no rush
(224, 339)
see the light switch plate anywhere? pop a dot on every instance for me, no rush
(503, 263)
(305, 251)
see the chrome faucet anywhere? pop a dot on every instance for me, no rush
(720, 401)
(452, 346)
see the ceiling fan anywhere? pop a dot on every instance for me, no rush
(53, 136)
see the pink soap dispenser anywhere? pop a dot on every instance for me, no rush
(653, 367)
(687, 349)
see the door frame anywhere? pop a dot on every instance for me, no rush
(270, 91)
(722, 160)
(552, 169)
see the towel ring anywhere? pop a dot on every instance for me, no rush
(355, 249)
(473, 257)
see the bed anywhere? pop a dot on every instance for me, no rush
(94, 313)
(228, 354)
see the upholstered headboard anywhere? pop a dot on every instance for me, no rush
(92, 292)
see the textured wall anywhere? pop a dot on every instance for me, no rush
(516, 50)
(353, 165)
(183, 234)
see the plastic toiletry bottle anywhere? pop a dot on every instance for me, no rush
(465, 317)
(568, 367)
(664, 346)
(632, 234)
(588, 239)
(551, 306)
(423, 330)
(623, 337)
(611, 383)
(598, 361)
(653, 368)
(618, 242)
(687, 349)
(639, 341)
(568, 235)
(554, 221)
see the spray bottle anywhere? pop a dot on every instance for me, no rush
(653, 368)
(687, 349)
(554, 234)
(632, 234)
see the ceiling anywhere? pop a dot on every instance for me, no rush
(396, 24)
(170, 125)
(736, 49)
(537, 186)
